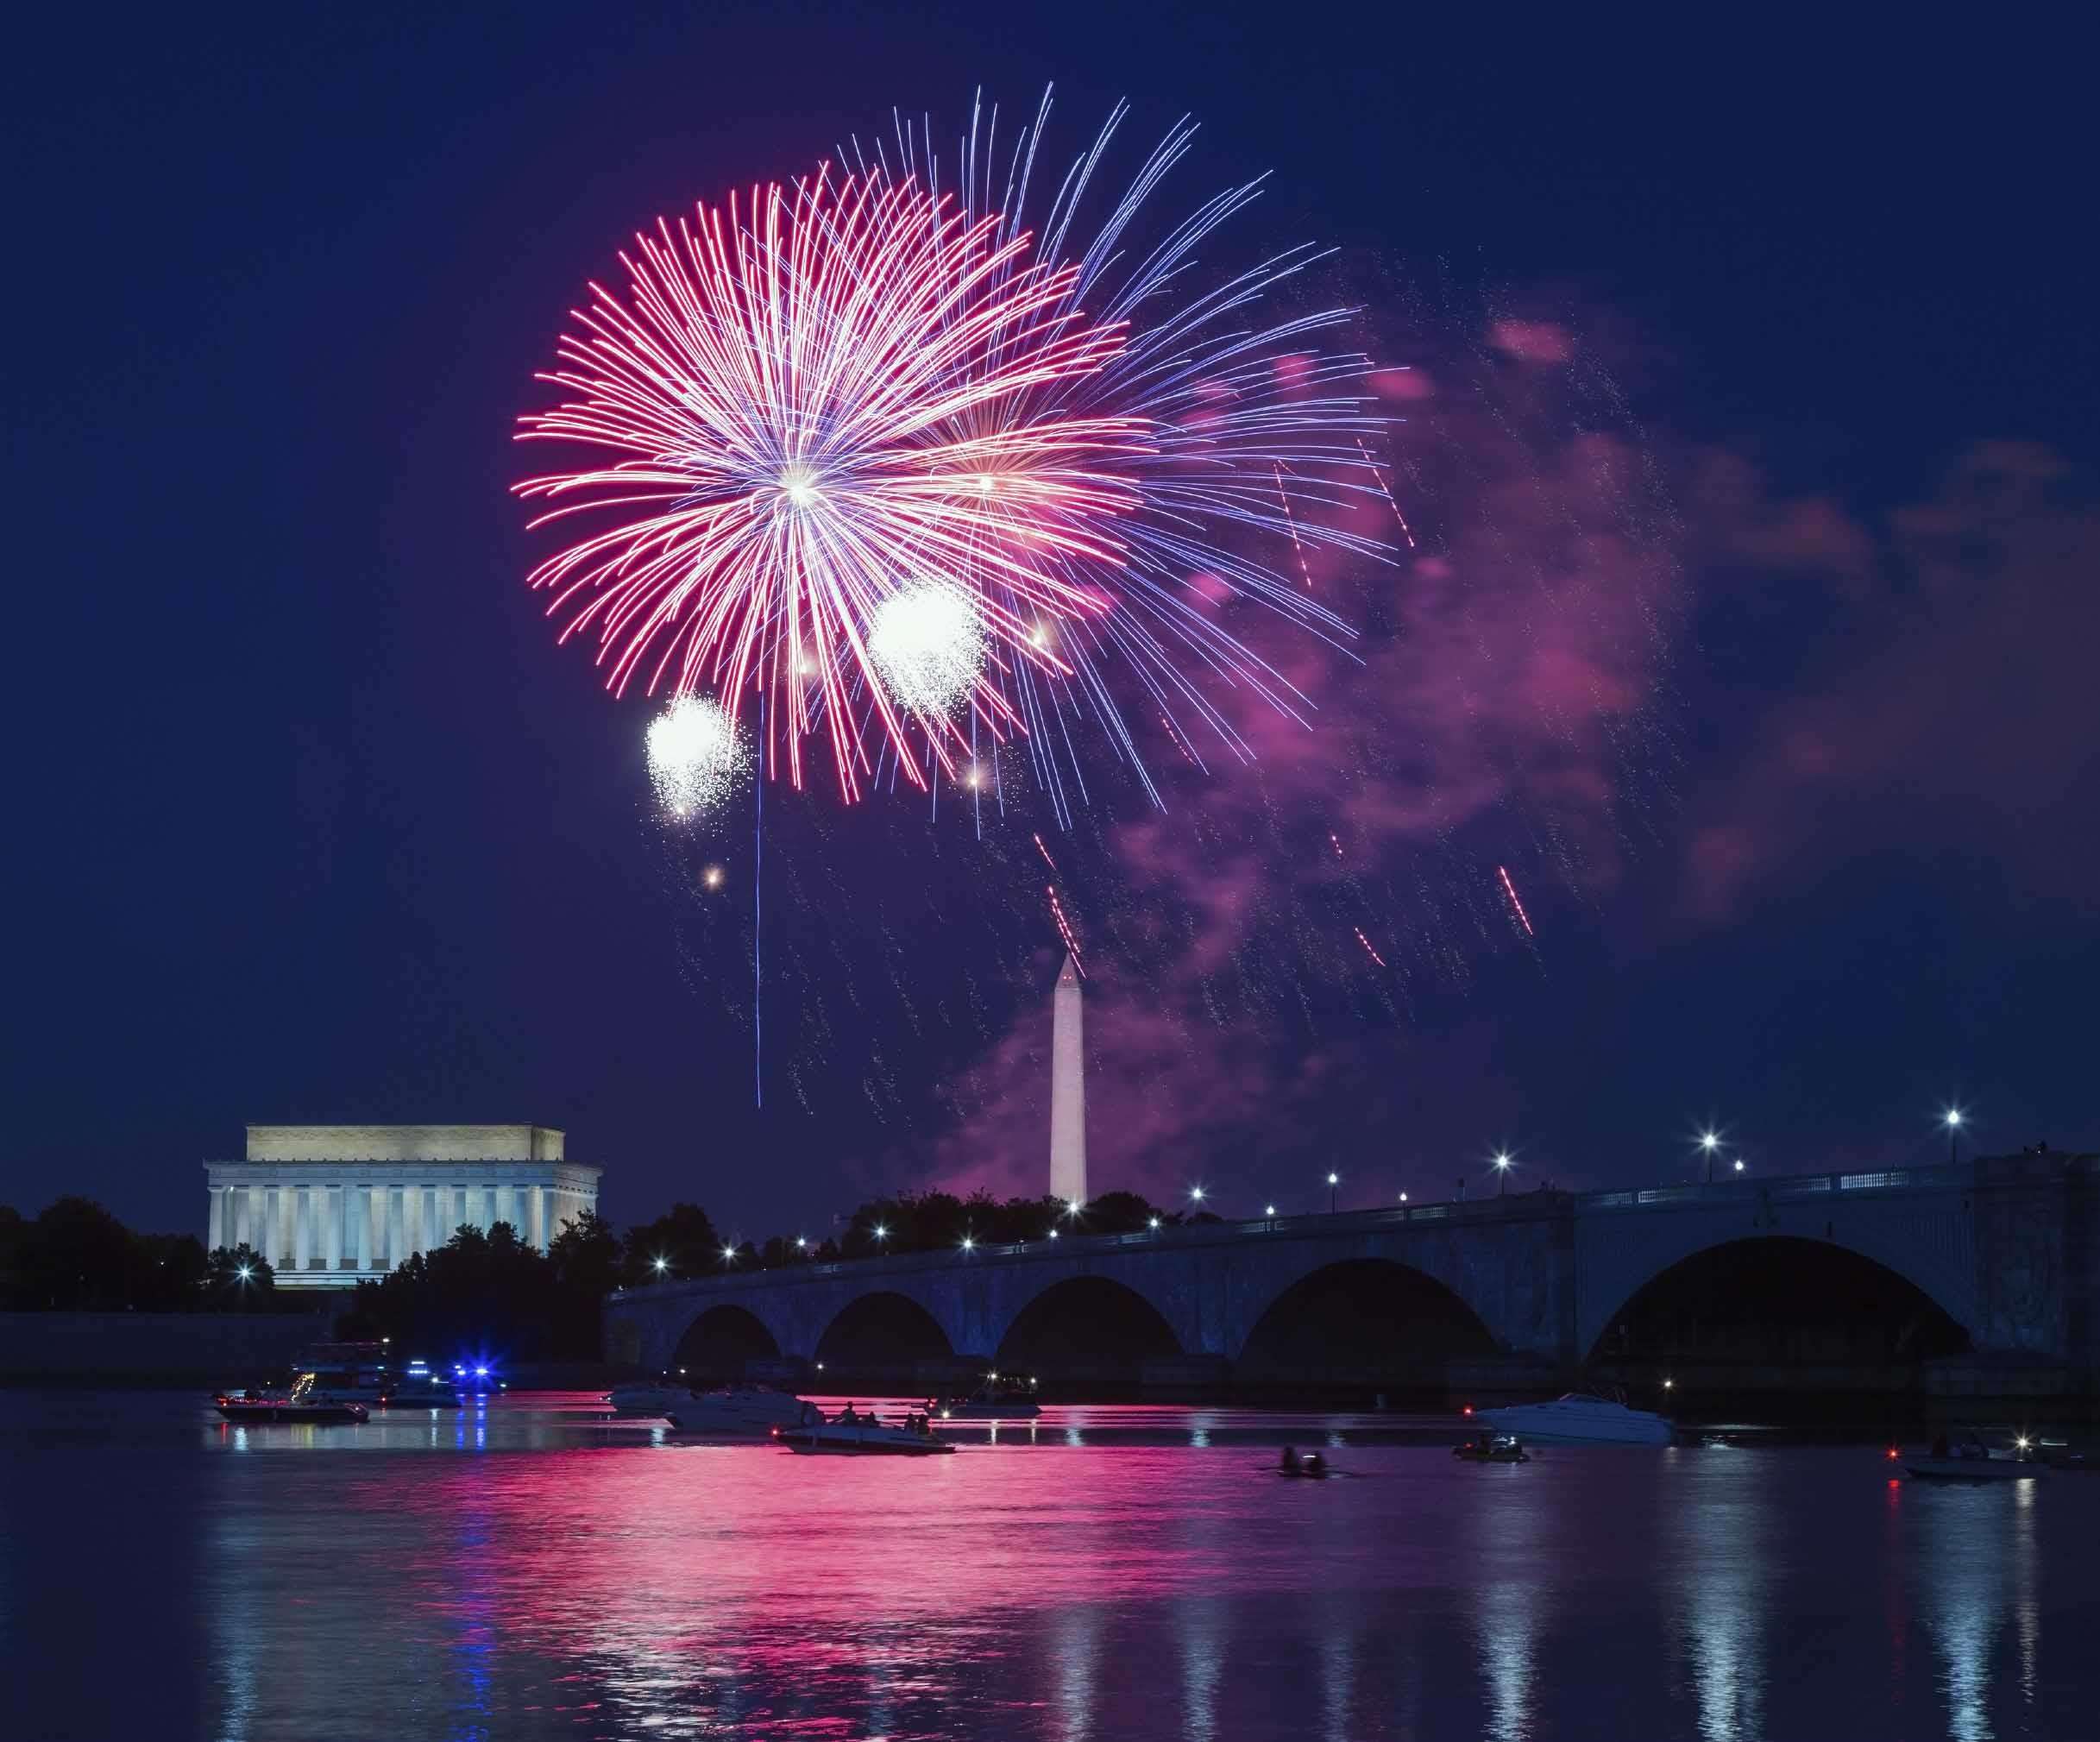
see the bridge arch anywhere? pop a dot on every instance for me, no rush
(1777, 1298)
(1365, 1314)
(882, 1330)
(718, 1344)
(1089, 1326)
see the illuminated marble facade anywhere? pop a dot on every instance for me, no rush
(330, 1204)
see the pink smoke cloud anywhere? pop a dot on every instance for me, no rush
(1511, 668)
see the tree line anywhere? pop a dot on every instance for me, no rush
(76, 1257)
(489, 1293)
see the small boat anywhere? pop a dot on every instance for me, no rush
(1579, 1417)
(864, 1435)
(421, 1387)
(1311, 1468)
(649, 1397)
(741, 1410)
(302, 1403)
(999, 1398)
(1492, 1448)
(1971, 1460)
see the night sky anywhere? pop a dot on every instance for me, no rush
(1750, 441)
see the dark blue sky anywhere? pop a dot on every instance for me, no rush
(312, 821)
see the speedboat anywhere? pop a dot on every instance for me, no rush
(648, 1396)
(1492, 1448)
(1579, 1417)
(304, 1402)
(863, 1434)
(741, 1410)
(999, 1398)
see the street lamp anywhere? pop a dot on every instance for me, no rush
(1269, 1211)
(729, 1256)
(1334, 1180)
(1739, 1164)
(881, 1235)
(1402, 1197)
(969, 1244)
(1709, 1141)
(1502, 1159)
(660, 1264)
(1195, 1194)
(1951, 1118)
(1155, 1224)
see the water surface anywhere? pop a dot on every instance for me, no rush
(529, 1569)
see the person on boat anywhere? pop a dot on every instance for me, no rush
(1289, 1466)
(1314, 1465)
(847, 1415)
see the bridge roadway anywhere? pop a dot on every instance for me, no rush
(2008, 1247)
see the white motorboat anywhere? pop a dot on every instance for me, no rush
(740, 1410)
(864, 1435)
(1579, 1417)
(648, 1396)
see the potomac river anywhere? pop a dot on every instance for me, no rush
(525, 1569)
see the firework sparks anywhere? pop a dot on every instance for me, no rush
(1063, 928)
(1511, 890)
(695, 758)
(1045, 852)
(1367, 950)
(1335, 841)
(928, 646)
(872, 453)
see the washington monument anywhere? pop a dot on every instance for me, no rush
(1068, 1088)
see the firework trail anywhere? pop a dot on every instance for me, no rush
(1045, 852)
(1407, 532)
(877, 451)
(1290, 520)
(1367, 950)
(1063, 928)
(1335, 841)
(1511, 888)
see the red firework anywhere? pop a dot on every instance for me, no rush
(831, 475)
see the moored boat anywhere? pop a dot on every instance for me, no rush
(1000, 1398)
(1972, 1469)
(1971, 1460)
(1492, 1448)
(740, 1410)
(649, 1397)
(852, 1434)
(1578, 1418)
(303, 1402)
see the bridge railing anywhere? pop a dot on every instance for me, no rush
(1488, 1208)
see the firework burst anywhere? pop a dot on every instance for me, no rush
(878, 455)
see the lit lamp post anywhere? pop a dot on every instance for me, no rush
(1502, 1161)
(1334, 1184)
(1710, 1142)
(881, 1235)
(729, 1256)
(660, 1264)
(1953, 1119)
(1196, 1195)
(1739, 1164)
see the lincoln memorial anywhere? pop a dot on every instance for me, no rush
(328, 1205)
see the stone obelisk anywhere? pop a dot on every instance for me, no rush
(1067, 1089)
